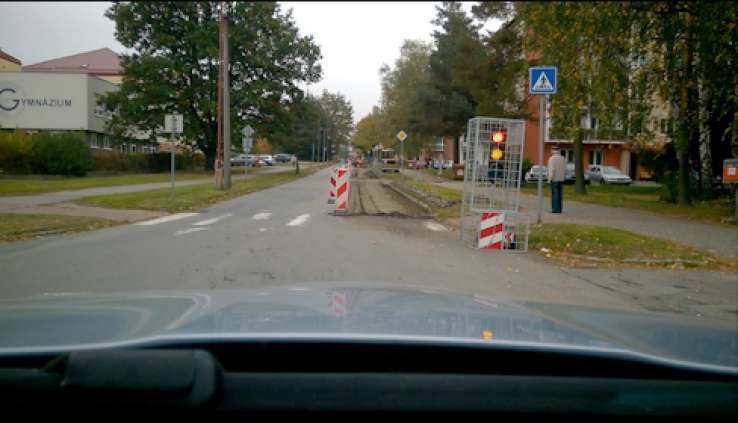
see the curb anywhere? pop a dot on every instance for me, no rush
(413, 199)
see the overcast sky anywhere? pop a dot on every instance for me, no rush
(355, 38)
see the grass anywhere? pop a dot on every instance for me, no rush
(445, 173)
(12, 187)
(448, 194)
(191, 197)
(641, 198)
(16, 227)
(571, 243)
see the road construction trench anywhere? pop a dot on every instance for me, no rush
(370, 196)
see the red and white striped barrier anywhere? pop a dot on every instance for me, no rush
(482, 301)
(491, 232)
(337, 303)
(342, 179)
(332, 197)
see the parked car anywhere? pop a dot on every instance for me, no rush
(535, 172)
(569, 177)
(608, 175)
(283, 158)
(268, 159)
(436, 163)
(448, 164)
(421, 164)
(239, 160)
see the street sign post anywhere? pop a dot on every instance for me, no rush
(542, 81)
(401, 136)
(248, 143)
(173, 124)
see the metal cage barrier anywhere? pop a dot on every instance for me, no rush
(492, 176)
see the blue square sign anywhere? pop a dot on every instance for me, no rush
(542, 80)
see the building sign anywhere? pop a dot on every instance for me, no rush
(13, 100)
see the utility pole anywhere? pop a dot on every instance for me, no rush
(226, 110)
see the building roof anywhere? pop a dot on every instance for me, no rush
(97, 62)
(9, 58)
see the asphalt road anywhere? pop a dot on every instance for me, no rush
(288, 235)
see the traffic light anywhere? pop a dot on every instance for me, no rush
(498, 138)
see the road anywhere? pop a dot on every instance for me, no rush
(288, 235)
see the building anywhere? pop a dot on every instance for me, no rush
(59, 102)
(9, 63)
(103, 63)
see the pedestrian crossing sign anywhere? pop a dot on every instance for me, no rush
(542, 80)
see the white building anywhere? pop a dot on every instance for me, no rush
(56, 102)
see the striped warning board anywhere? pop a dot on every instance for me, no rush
(332, 196)
(337, 303)
(491, 231)
(342, 180)
(482, 301)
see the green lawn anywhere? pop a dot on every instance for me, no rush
(571, 242)
(11, 187)
(14, 227)
(193, 196)
(641, 198)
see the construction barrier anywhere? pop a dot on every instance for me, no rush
(337, 303)
(332, 197)
(342, 180)
(491, 231)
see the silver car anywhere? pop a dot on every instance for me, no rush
(607, 175)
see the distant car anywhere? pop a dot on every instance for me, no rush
(239, 160)
(268, 159)
(608, 175)
(421, 164)
(569, 177)
(448, 164)
(283, 158)
(537, 172)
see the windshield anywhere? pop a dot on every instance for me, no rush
(610, 170)
(322, 144)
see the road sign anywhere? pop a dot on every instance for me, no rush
(248, 131)
(247, 142)
(542, 80)
(178, 126)
(401, 135)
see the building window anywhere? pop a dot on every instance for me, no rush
(144, 149)
(95, 140)
(153, 149)
(108, 144)
(568, 155)
(595, 157)
(665, 127)
(122, 148)
(133, 148)
(99, 109)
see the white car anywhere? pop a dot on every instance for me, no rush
(268, 159)
(537, 172)
(448, 164)
(607, 175)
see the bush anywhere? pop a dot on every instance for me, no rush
(62, 154)
(15, 152)
(147, 163)
(527, 165)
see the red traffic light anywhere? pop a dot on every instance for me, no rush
(498, 137)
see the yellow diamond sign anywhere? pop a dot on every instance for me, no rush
(401, 135)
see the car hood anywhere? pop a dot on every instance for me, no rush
(352, 311)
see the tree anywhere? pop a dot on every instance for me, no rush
(262, 146)
(174, 67)
(337, 119)
(370, 131)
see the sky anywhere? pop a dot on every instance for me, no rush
(356, 38)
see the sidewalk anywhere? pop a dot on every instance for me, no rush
(717, 239)
(59, 202)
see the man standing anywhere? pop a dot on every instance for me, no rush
(556, 174)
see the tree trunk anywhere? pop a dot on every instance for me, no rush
(579, 185)
(209, 158)
(685, 197)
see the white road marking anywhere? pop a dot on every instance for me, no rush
(166, 219)
(187, 231)
(265, 229)
(434, 226)
(261, 216)
(213, 220)
(299, 220)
